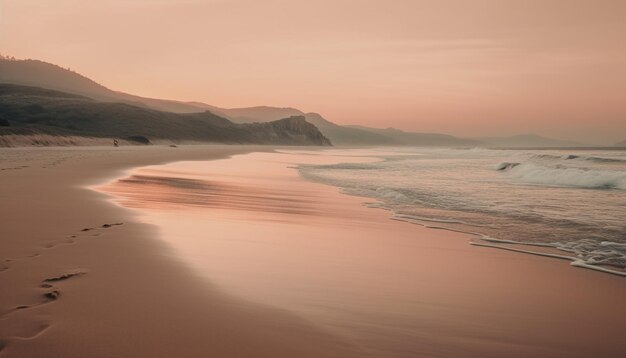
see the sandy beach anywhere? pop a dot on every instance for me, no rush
(128, 298)
(283, 267)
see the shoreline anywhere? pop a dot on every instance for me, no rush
(483, 240)
(81, 285)
(470, 301)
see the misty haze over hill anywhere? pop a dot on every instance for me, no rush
(33, 111)
(45, 75)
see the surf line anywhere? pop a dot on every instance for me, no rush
(575, 261)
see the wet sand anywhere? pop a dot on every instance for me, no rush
(252, 227)
(72, 284)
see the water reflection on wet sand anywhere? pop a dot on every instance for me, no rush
(253, 227)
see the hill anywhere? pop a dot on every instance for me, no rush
(339, 135)
(42, 74)
(31, 110)
(621, 144)
(257, 114)
(400, 137)
(37, 73)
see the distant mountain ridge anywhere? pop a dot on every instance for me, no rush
(422, 139)
(42, 74)
(32, 110)
(620, 144)
(37, 73)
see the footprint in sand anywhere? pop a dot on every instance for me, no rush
(64, 276)
(15, 168)
(103, 226)
(24, 329)
(52, 245)
(53, 293)
(32, 330)
(106, 226)
(69, 241)
(48, 296)
(45, 298)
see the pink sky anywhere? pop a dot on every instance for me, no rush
(469, 68)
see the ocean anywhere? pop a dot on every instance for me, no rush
(568, 204)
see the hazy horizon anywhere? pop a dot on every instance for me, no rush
(467, 69)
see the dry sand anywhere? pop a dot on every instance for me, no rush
(419, 292)
(129, 298)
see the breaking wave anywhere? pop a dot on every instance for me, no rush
(568, 176)
(605, 160)
(506, 166)
(577, 157)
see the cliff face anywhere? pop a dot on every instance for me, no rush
(30, 111)
(294, 129)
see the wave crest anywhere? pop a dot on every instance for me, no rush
(568, 176)
(506, 166)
